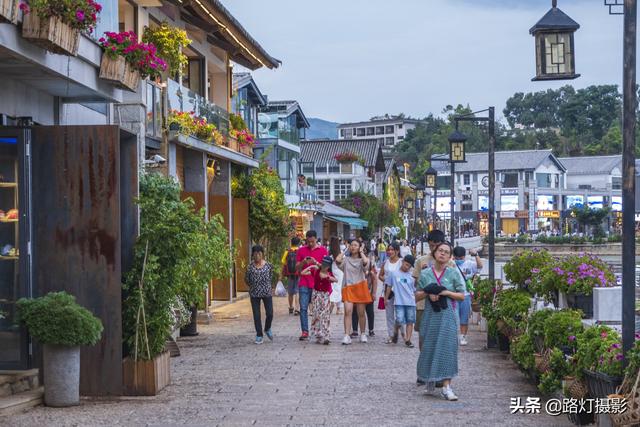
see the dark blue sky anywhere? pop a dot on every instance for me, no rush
(350, 60)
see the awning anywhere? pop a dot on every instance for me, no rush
(354, 223)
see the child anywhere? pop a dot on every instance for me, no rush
(404, 288)
(320, 299)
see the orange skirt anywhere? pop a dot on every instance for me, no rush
(358, 293)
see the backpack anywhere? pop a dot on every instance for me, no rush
(291, 262)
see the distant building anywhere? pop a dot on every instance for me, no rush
(388, 131)
(247, 100)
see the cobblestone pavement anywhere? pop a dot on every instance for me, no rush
(222, 378)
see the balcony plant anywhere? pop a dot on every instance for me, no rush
(176, 255)
(126, 61)
(240, 132)
(348, 157)
(58, 322)
(56, 25)
(188, 124)
(169, 42)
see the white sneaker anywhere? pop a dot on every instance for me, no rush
(346, 340)
(463, 340)
(363, 338)
(448, 394)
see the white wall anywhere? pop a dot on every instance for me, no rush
(20, 100)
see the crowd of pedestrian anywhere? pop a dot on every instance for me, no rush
(430, 294)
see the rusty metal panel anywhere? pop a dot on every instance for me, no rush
(128, 193)
(77, 236)
(219, 205)
(241, 235)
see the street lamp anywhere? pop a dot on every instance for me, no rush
(408, 203)
(457, 142)
(419, 205)
(567, 26)
(431, 181)
(555, 56)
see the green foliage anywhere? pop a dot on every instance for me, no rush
(591, 217)
(512, 306)
(522, 350)
(561, 328)
(169, 41)
(633, 359)
(370, 208)
(536, 323)
(579, 274)
(522, 266)
(237, 122)
(57, 318)
(180, 254)
(599, 350)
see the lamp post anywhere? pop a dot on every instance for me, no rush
(457, 154)
(430, 181)
(557, 27)
(409, 204)
(491, 120)
(420, 205)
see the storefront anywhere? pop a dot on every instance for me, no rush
(548, 220)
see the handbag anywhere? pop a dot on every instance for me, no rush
(381, 303)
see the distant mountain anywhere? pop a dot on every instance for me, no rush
(322, 129)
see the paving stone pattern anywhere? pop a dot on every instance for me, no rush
(222, 378)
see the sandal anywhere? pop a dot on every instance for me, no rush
(409, 344)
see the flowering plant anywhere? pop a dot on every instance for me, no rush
(79, 14)
(347, 157)
(599, 349)
(522, 267)
(169, 41)
(192, 125)
(579, 274)
(244, 137)
(561, 328)
(142, 56)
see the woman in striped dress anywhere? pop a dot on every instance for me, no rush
(438, 359)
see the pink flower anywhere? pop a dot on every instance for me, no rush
(603, 334)
(80, 15)
(24, 8)
(572, 338)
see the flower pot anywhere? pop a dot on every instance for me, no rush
(538, 342)
(246, 150)
(233, 144)
(582, 418)
(475, 307)
(504, 345)
(119, 72)
(9, 11)
(51, 34)
(601, 385)
(191, 330)
(146, 377)
(582, 302)
(61, 368)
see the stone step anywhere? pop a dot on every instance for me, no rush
(21, 402)
(14, 382)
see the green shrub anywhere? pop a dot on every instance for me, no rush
(522, 350)
(599, 349)
(521, 266)
(551, 381)
(512, 307)
(579, 274)
(561, 328)
(57, 318)
(536, 326)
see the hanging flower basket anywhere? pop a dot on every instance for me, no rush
(119, 71)
(347, 157)
(51, 34)
(9, 11)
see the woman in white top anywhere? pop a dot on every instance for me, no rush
(336, 294)
(405, 249)
(392, 263)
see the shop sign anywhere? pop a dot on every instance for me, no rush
(618, 215)
(483, 192)
(509, 191)
(548, 214)
(485, 216)
(507, 214)
(522, 214)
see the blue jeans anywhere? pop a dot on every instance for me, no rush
(305, 299)
(464, 310)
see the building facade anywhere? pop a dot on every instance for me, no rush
(388, 131)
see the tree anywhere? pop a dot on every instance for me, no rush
(587, 216)
(376, 212)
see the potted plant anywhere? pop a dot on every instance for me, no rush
(61, 325)
(522, 353)
(577, 276)
(512, 307)
(630, 388)
(188, 124)
(535, 328)
(561, 329)
(347, 157)
(519, 269)
(169, 42)
(600, 360)
(56, 25)
(125, 61)
(9, 11)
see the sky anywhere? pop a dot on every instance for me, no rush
(350, 60)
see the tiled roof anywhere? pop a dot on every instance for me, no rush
(291, 107)
(242, 80)
(591, 165)
(324, 151)
(379, 122)
(505, 160)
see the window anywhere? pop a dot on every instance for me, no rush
(307, 168)
(543, 180)
(388, 130)
(323, 189)
(401, 137)
(346, 168)
(342, 188)
(381, 141)
(400, 126)
(389, 141)
(342, 133)
(443, 182)
(360, 132)
(370, 131)
(616, 183)
(321, 168)
(510, 180)
(334, 169)
(379, 130)
(466, 179)
(466, 207)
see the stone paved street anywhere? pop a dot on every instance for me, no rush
(222, 378)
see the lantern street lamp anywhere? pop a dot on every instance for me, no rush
(419, 203)
(430, 177)
(408, 203)
(457, 142)
(555, 55)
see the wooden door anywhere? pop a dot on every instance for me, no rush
(241, 235)
(219, 289)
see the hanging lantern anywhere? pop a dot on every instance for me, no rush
(430, 177)
(456, 147)
(555, 55)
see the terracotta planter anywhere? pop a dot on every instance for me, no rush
(475, 307)
(51, 34)
(146, 377)
(9, 11)
(119, 72)
(232, 143)
(246, 150)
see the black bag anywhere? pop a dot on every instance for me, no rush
(292, 257)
